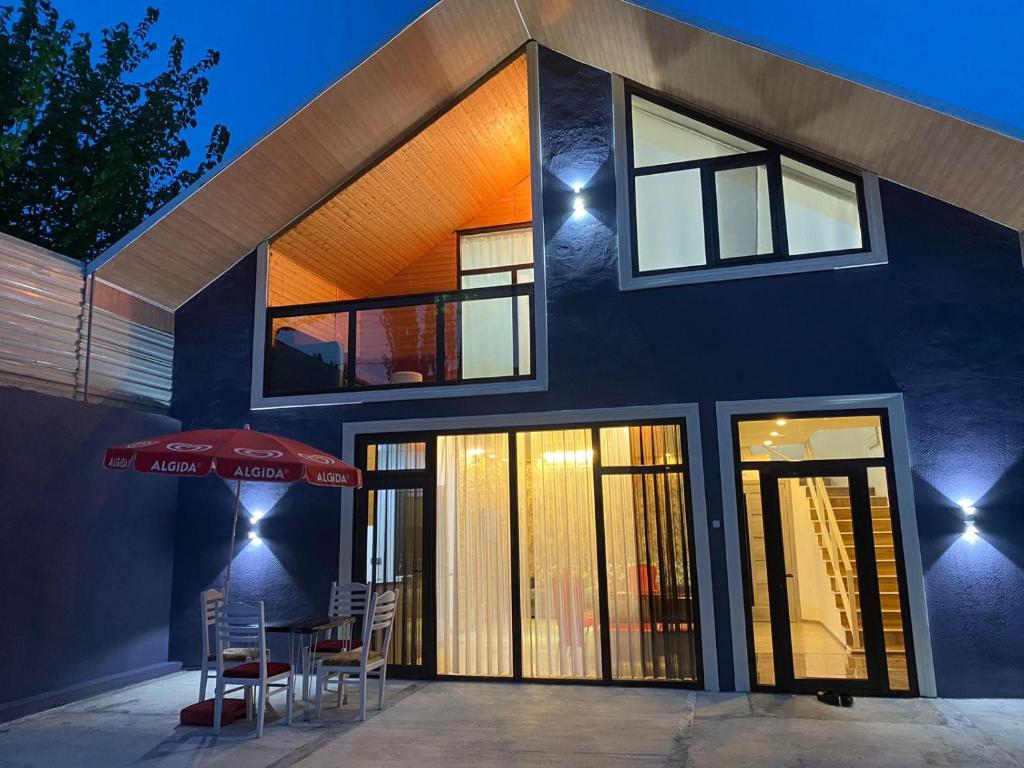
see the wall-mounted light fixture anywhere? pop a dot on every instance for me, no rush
(254, 526)
(579, 206)
(970, 533)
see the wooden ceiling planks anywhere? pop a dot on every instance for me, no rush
(386, 219)
(192, 241)
(456, 42)
(943, 156)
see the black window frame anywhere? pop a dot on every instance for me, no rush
(886, 462)
(440, 301)
(427, 478)
(770, 156)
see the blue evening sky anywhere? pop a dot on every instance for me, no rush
(278, 54)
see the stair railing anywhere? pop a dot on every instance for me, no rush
(842, 567)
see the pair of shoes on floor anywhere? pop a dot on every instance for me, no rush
(835, 699)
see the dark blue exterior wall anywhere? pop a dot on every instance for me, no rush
(85, 553)
(941, 323)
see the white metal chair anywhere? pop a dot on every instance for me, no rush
(362, 661)
(209, 601)
(238, 623)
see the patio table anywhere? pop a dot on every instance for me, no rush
(300, 629)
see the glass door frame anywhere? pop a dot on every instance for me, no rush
(427, 479)
(867, 578)
(819, 468)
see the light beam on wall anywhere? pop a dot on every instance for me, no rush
(579, 205)
(970, 533)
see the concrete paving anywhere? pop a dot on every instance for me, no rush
(483, 724)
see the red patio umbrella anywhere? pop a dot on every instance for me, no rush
(234, 454)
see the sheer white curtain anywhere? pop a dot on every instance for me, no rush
(474, 566)
(650, 595)
(487, 327)
(502, 248)
(558, 584)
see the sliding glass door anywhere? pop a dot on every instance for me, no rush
(558, 580)
(548, 554)
(651, 595)
(474, 560)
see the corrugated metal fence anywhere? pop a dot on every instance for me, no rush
(41, 300)
(45, 335)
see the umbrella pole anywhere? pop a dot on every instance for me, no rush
(231, 550)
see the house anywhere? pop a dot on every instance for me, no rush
(669, 360)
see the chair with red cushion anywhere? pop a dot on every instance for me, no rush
(644, 579)
(346, 600)
(209, 601)
(244, 625)
(364, 661)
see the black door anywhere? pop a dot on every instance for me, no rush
(822, 584)
(395, 531)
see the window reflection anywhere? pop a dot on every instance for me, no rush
(397, 345)
(308, 353)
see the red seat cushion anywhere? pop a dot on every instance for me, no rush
(202, 713)
(252, 669)
(336, 646)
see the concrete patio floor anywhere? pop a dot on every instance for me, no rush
(476, 724)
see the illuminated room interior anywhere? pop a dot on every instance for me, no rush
(447, 211)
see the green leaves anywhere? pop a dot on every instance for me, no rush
(88, 147)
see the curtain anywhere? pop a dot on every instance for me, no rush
(474, 566)
(558, 583)
(650, 592)
(650, 599)
(488, 327)
(495, 249)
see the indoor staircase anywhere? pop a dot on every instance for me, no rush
(885, 558)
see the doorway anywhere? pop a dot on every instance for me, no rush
(825, 589)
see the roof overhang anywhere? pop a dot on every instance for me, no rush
(195, 238)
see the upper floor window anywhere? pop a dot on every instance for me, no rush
(418, 273)
(703, 197)
(496, 256)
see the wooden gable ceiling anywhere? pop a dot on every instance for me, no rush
(379, 224)
(197, 237)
